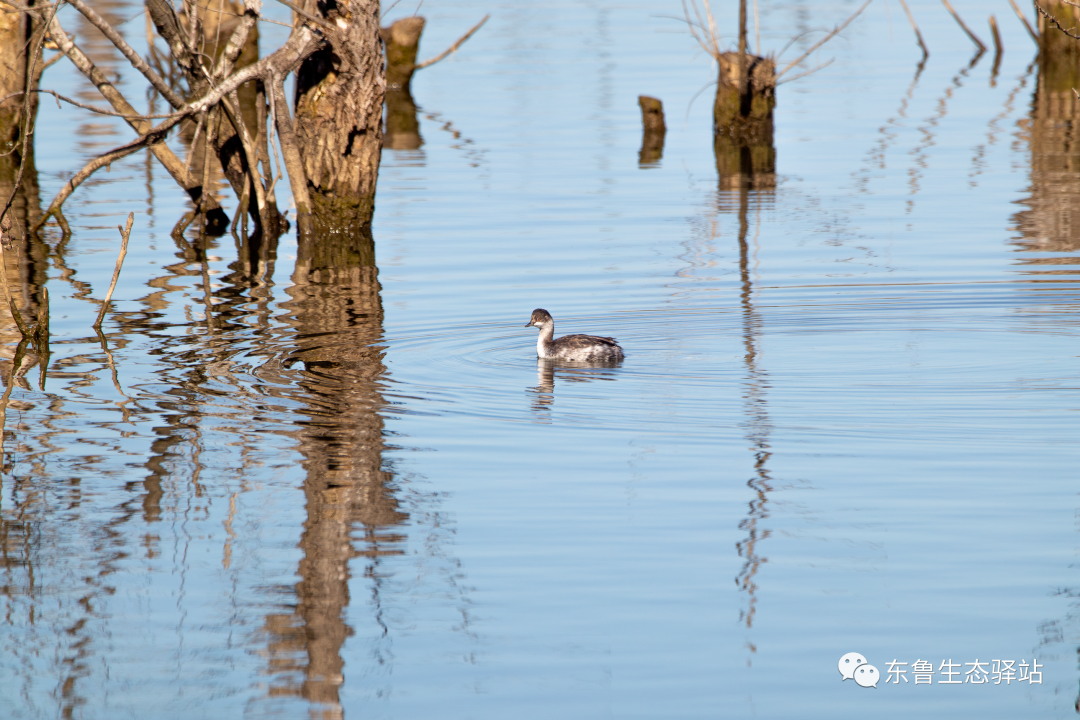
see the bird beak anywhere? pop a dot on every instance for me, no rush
(528, 324)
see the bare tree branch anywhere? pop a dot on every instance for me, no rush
(84, 106)
(125, 234)
(956, 16)
(918, 35)
(824, 40)
(80, 177)
(1054, 21)
(306, 15)
(825, 64)
(455, 46)
(133, 57)
(1031, 31)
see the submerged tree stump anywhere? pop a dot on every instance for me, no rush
(743, 122)
(1059, 54)
(655, 130)
(1051, 220)
(339, 107)
(402, 41)
(746, 114)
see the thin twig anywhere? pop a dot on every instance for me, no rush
(91, 108)
(963, 27)
(1031, 31)
(453, 47)
(808, 72)
(824, 40)
(918, 35)
(125, 233)
(387, 10)
(294, 164)
(80, 177)
(251, 156)
(1053, 20)
(195, 140)
(308, 16)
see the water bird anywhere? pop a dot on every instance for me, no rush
(574, 348)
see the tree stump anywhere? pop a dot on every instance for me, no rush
(655, 130)
(1051, 220)
(1059, 54)
(745, 116)
(743, 122)
(402, 41)
(339, 107)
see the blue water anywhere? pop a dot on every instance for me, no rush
(845, 422)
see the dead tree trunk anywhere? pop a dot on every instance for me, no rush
(339, 99)
(27, 257)
(743, 115)
(402, 40)
(1051, 220)
(15, 47)
(743, 121)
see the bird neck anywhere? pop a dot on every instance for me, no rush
(547, 331)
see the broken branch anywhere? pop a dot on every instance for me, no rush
(1031, 31)
(125, 233)
(455, 46)
(956, 16)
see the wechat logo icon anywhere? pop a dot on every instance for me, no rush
(853, 666)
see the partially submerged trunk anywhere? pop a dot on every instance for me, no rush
(15, 36)
(745, 115)
(339, 100)
(27, 257)
(402, 40)
(1051, 220)
(743, 122)
(654, 131)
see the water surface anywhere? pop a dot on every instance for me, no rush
(845, 423)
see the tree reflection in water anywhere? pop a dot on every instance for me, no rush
(336, 311)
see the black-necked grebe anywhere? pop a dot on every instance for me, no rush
(574, 348)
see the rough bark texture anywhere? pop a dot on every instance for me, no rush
(402, 40)
(743, 123)
(339, 101)
(1051, 222)
(26, 266)
(748, 116)
(652, 141)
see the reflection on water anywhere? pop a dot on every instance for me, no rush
(756, 423)
(548, 370)
(281, 484)
(1051, 222)
(351, 510)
